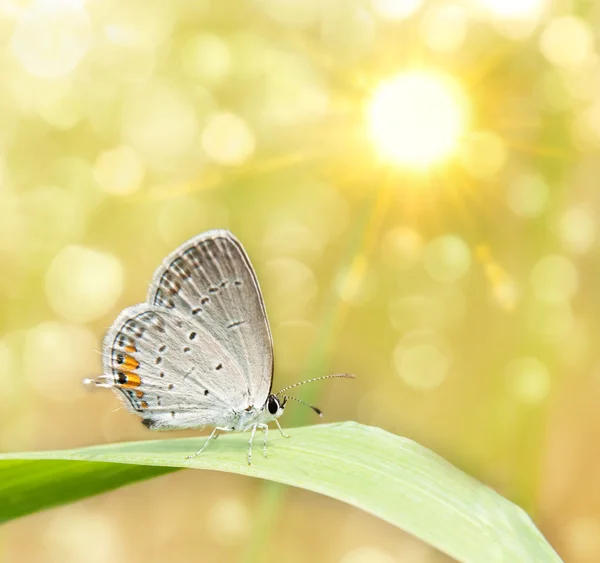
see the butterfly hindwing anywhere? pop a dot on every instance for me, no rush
(170, 371)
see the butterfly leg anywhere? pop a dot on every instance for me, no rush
(281, 429)
(250, 444)
(265, 429)
(213, 434)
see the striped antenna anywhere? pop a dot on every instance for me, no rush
(318, 411)
(347, 375)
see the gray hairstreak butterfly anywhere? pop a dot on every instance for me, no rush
(199, 351)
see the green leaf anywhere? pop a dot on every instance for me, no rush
(386, 475)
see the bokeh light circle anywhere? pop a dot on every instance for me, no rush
(447, 258)
(83, 284)
(528, 379)
(119, 171)
(554, 279)
(51, 38)
(514, 9)
(227, 139)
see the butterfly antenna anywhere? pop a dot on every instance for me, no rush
(347, 375)
(318, 411)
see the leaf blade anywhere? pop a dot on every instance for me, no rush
(386, 475)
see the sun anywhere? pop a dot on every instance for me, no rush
(416, 118)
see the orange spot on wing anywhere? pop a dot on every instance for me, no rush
(133, 381)
(130, 349)
(139, 394)
(144, 405)
(130, 363)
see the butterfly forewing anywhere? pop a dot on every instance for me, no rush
(170, 371)
(210, 281)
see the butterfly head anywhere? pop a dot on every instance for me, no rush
(275, 406)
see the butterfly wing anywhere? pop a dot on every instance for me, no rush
(170, 371)
(210, 281)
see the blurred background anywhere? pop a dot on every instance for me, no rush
(416, 182)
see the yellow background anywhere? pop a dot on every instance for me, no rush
(441, 244)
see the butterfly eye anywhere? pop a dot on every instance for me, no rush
(273, 404)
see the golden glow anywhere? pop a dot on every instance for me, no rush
(416, 118)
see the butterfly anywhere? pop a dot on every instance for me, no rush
(199, 351)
